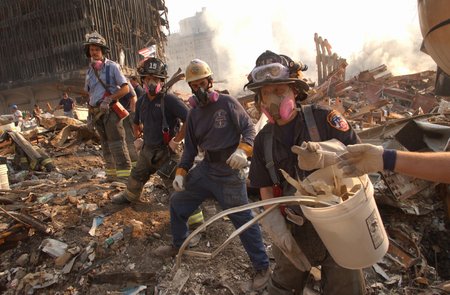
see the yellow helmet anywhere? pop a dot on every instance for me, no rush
(196, 70)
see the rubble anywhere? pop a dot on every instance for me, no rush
(70, 204)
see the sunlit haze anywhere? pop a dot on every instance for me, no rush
(366, 33)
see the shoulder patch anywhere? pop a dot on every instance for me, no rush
(337, 121)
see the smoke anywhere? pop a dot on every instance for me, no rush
(401, 58)
(239, 39)
(365, 33)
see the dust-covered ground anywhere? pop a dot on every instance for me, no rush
(69, 200)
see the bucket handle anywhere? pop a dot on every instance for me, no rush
(364, 186)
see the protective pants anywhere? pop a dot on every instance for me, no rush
(149, 161)
(229, 191)
(129, 138)
(335, 280)
(112, 140)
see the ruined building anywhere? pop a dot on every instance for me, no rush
(195, 39)
(41, 43)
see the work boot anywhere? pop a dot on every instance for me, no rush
(123, 180)
(120, 198)
(112, 179)
(261, 278)
(166, 251)
(108, 179)
(195, 240)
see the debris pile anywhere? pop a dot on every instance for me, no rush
(60, 233)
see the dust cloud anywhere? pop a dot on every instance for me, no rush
(366, 33)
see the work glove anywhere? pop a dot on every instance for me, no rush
(175, 146)
(138, 144)
(316, 155)
(178, 183)
(238, 159)
(137, 132)
(361, 159)
(275, 226)
(104, 105)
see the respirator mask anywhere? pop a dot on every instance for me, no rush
(97, 64)
(152, 87)
(278, 103)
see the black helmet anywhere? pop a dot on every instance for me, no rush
(269, 57)
(272, 68)
(95, 38)
(294, 67)
(153, 66)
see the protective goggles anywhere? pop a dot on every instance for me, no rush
(273, 71)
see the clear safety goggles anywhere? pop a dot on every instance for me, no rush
(270, 71)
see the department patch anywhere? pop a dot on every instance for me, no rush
(220, 119)
(336, 120)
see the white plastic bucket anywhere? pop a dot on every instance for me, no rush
(4, 182)
(8, 127)
(352, 231)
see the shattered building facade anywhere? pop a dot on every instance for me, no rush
(41, 43)
(195, 39)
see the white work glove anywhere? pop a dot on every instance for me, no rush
(138, 144)
(178, 183)
(174, 145)
(361, 159)
(104, 105)
(238, 159)
(275, 226)
(316, 155)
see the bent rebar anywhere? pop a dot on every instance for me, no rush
(274, 201)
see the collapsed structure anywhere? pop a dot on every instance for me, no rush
(41, 49)
(396, 111)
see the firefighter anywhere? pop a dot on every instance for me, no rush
(218, 125)
(106, 84)
(129, 103)
(279, 89)
(160, 135)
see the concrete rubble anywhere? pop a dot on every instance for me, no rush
(55, 224)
